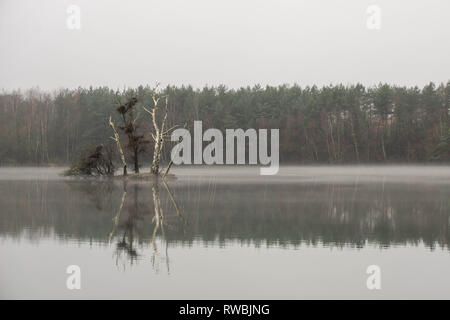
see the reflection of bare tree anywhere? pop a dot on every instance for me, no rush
(159, 222)
(136, 213)
(117, 217)
(125, 245)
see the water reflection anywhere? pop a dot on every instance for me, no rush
(133, 215)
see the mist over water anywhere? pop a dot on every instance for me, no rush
(297, 174)
(307, 232)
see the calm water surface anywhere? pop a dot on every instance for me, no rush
(309, 232)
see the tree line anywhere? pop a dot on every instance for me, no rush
(330, 124)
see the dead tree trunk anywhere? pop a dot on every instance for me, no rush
(119, 147)
(160, 133)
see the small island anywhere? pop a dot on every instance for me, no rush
(100, 160)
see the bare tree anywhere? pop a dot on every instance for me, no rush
(160, 133)
(119, 146)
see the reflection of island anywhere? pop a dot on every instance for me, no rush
(128, 229)
(328, 214)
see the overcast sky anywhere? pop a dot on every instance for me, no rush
(231, 42)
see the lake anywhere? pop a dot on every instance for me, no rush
(228, 233)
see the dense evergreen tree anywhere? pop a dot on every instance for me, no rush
(332, 124)
(136, 141)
